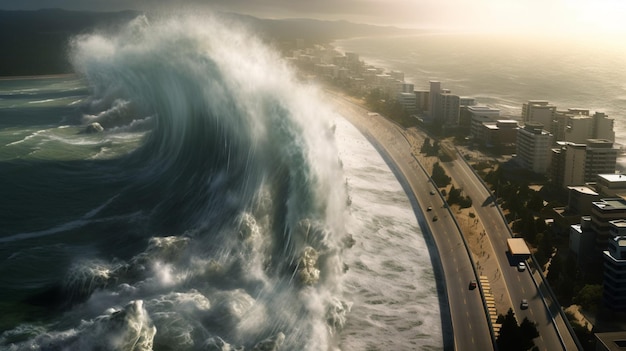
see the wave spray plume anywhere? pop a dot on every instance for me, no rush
(236, 195)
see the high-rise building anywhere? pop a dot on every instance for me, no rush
(422, 100)
(603, 212)
(614, 287)
(408, 101)
(435, 90)
(576, 125)
(578, 129)
(534, 146)
(447, 109)
(582, 242)
(539, 111)
(444, 106)
(603, 127)
(600, 157)
(577, 164)
(477, 116)
(611, 185)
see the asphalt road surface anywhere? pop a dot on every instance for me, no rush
(553, 332)
(463, 313)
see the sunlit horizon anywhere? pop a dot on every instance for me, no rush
(583, 20)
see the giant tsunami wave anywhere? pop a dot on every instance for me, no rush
(223, 230)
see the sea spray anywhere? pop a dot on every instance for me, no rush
(236, 195)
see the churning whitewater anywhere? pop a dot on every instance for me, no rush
(224, 206)
(228, 216)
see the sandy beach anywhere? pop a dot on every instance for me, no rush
(471, 227)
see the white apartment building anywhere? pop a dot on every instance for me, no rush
(600, 158)
(479, 115)
(611, 185)
(577, 164)
(444, 106)
(603, 127)
(408, 101)
(435, 90)
(578, 129)
(539, 111)
(534, 148)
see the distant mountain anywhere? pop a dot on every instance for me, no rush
(318, 31)
(36, 42)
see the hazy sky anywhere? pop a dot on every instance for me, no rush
(541, 16)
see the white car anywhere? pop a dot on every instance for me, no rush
(524, 304)
(521, 266)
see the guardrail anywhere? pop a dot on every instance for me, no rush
(467, 248)
(537, 267)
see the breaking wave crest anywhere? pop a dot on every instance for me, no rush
(237, 195)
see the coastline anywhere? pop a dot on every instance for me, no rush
(44, 76)
(477, 245)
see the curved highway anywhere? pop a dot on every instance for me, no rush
(463, 313)
(553, 331)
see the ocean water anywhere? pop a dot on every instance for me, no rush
(505, 71)
(224, 207)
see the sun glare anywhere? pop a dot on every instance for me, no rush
(598, 16)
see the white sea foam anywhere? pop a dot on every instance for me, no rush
(389, 271)
(258, 264)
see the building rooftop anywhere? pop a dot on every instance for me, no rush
(583, 190)
(611, 204)
(620, 223)
(613, 178)
(613, 341)
(482, 108)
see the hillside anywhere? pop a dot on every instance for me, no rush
(36, 42)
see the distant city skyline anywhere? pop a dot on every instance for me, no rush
(563, 17)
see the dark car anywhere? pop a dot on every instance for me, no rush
(435, 218)
(472, 284)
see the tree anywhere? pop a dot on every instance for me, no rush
(426, 147)
(545, 247)
(509, 336)
(454, 196)
(465, 202)
(528, 331)
(589, 297)
(514, 337)
(439, 176)
(535, 203)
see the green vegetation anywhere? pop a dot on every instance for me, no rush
(514, 337)
(439, 176)
(430, 149)
(523, 205)
(589, 296)
(455, 197)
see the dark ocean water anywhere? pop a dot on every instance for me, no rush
(212, 213)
